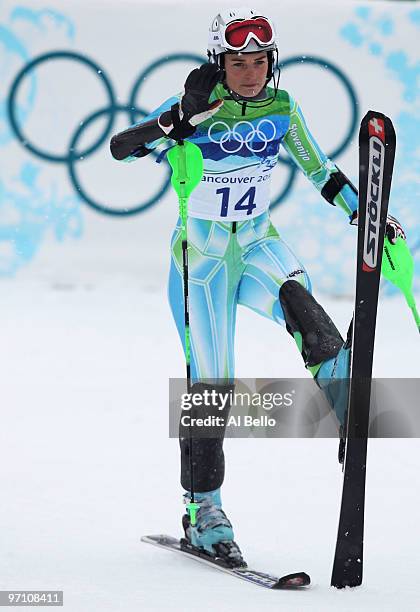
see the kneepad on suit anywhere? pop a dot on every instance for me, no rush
(207, 453)
(315, 333)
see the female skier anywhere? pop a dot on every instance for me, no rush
(236, 255)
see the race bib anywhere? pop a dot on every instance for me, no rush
(234, 196)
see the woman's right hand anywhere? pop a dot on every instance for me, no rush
(181, 121)
(200, 83)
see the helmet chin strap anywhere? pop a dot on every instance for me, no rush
(262, 95)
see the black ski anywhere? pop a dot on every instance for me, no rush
(377, 151)
(290, 581)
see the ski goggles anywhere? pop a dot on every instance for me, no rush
(238, 34)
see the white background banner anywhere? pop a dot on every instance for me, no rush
(73, 73)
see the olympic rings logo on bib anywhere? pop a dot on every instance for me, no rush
(253, 137)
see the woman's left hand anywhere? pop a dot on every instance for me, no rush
(394, 229)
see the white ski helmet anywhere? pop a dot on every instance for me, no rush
(240, 30)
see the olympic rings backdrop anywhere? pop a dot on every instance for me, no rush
(73, 78)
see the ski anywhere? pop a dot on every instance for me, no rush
(377, 143)
(289, 581)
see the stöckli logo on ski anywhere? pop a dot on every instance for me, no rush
(374, 193)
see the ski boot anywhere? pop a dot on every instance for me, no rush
(212, 536)
(333, 378)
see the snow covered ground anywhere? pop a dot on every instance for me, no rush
(86, 466)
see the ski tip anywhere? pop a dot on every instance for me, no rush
(378, 124)
(159, 538)
(146, 538)
(293, 581)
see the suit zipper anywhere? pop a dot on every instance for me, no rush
(234, 227)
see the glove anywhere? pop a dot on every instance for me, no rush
(194, 107)
(393, 228)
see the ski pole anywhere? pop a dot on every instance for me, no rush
(186, 161)
(398, 268)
